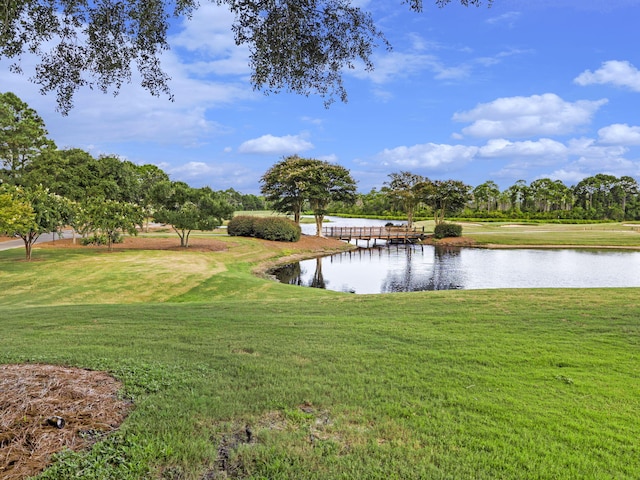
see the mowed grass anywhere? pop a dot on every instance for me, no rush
(507, 384)
(588, 235)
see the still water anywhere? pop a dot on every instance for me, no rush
(418, 268)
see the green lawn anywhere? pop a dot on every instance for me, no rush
(496, 384)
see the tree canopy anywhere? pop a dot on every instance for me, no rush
(295, 45)
(407, 189)
(38, 212)
(22, 135)
(294, 180)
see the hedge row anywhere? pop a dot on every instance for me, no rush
(268, 228)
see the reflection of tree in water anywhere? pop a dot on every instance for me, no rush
(443, 275)
(290, 273)
(318, 279)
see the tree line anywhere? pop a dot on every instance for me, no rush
(600, 197)
(43, 189)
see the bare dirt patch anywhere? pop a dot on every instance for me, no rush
(45, 409)
(147, 243)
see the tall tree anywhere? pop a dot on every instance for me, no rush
(518, 193)
(22, 135)
(146, 177)
(486, 193)
(285, 184)
(407, 189)
(297, 45)
(327, 183)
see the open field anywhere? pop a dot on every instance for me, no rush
(234, 376)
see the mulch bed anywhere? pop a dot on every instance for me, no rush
(46, 408)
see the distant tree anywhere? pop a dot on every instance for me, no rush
(446, 197)
(408, 189)
(187, 209)
(50, 213)
(486, 194)
(327, 183)
(300, 46)
(624, 192)
(22, 135)
(518, 193)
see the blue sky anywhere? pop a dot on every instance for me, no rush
(522, 90)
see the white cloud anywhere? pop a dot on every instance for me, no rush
(587, 148)
(428, 155)
(546, 114)
(615, 72)
(619, 133)
(272, 145)
(543, 148)
(217, 176)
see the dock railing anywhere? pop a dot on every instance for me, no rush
(390, 234)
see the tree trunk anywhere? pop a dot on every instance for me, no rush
(319, 220)
(29, 239)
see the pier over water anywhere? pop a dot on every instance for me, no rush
(372, 234)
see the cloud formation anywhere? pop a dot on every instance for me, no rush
(614, 72)
(429, 155)
(619, 133)
(272, 145)
(546, 114)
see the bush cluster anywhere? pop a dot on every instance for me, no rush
(268, 228)
(444, 230)
(101, 239)
(241, 226)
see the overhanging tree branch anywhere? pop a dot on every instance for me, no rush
(302, 46)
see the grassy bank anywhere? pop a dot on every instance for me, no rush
(512, 233)
(238, 376)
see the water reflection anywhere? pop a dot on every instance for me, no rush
(420, 268)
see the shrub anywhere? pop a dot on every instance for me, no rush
(268, 228)
(241, 226)
(101, 239)
(276, 228)
(444, 230)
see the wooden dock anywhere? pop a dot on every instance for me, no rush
(391, 235)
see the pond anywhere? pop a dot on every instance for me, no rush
(418, 268)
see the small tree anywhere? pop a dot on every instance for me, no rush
(187, 209)
(49, 213)
(110, 217)
(15, 215)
